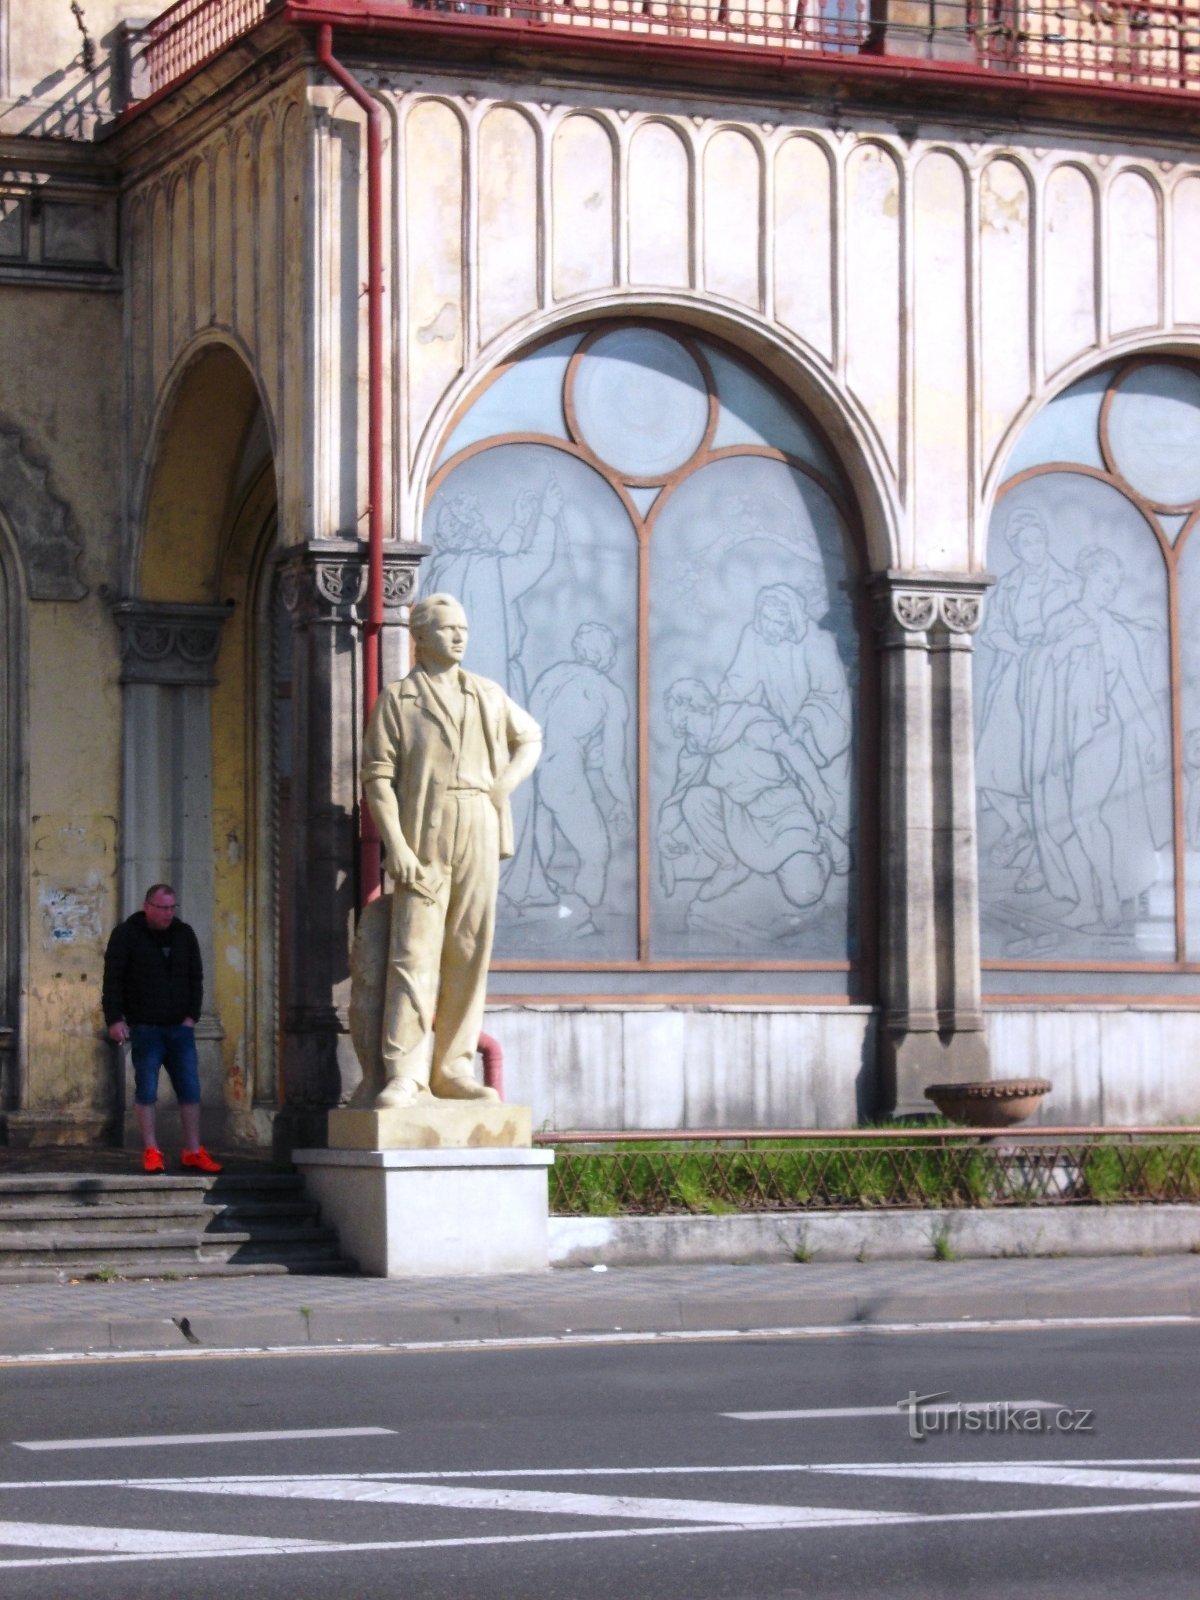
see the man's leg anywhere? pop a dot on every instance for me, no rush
(183, 1069)
(147, 1047)
(466, 951)
(410, 995)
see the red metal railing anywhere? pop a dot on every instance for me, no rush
(1154, 45)
(191, 32)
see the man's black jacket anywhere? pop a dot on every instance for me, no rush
(141, 986)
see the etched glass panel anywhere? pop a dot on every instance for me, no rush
(1154, 433)
(1189, 638)
(753, 677)
(542, 555)
(1073, 741)
(1066, 429)
(752, 413)
(640, 402)
(525, 399)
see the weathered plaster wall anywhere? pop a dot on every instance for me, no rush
(214, 249)
(45, 87)
(72, 697)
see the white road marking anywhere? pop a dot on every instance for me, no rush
(140, 1541)
(900, 1409)
(843, 1330)
(248, 1481)
(889, 1519)
(133, 1441)
(733, 1513)
(1064, 1476)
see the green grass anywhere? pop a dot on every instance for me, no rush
(719, 1178)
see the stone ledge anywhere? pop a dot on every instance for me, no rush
(1023, 1232)
(444, 1160)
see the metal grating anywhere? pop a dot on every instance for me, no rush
(878, 1176)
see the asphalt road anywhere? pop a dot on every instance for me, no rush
(618, 1470)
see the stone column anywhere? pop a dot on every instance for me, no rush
(168, 669)
(323, 587)
(929, 968)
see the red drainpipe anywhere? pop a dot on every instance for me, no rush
(368, 836)
(493, 1063)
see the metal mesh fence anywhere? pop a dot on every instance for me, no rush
(997, 1172)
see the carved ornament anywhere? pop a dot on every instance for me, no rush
(169, 644)
(42, 524)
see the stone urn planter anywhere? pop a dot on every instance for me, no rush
(991, 1103)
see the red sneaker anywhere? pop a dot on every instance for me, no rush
(200, 1159)
(152, 1159)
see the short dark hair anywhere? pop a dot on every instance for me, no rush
(158, 888)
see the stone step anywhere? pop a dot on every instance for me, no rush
(206, 1211)
(132, 1186)
(171, 1267)
(93, 1250)
(66, 1225)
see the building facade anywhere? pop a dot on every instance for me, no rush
(804, 407)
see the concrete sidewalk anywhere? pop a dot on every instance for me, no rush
(193, 1315)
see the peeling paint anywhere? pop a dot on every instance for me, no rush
(443, 326)
(70, 916)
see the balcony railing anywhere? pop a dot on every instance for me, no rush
(190, 33)
(1154, 45)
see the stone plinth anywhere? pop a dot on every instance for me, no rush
(435, 1213)
(434, 1125)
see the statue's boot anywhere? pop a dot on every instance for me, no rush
(400, 1091)
(460, 1086)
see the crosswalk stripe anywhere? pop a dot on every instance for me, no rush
(459, 1497)
(137, 1441)
(139, 1541)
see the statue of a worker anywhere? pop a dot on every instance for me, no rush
(443, 752)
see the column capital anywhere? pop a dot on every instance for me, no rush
(167, 643)
(326, 580)
(911, 604)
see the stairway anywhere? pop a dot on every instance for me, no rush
(74, 1225)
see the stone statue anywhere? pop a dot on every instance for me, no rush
(444, 750)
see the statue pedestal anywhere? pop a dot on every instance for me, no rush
(434, 1125)
(443, 1189)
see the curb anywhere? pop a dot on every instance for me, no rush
(948, 1234)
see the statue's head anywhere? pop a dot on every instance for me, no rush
(438, 625)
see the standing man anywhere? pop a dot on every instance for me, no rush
(444, 750)
(153, 989)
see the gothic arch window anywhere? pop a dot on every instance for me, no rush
(656, 551)
(1088, 691)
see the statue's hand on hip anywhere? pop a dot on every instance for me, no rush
(402, 865)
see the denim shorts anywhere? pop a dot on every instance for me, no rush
(173, 1047)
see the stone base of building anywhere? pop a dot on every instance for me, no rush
(435, 1213)
(56, 1130)
(913, 1061)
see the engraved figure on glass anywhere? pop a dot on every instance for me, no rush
(490, 573)
(1016, 616)
(747, 798)
(583, 794)
(1093, 731)
(789, 667)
